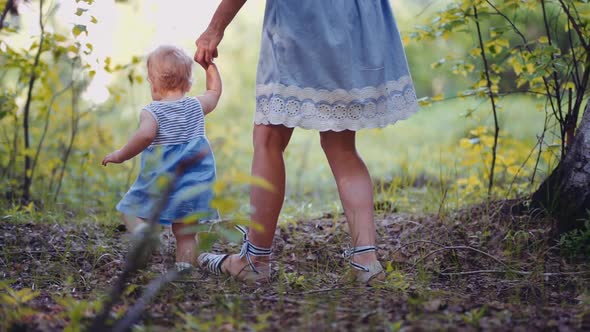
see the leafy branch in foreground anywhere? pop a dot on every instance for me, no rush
(138, 255)
(136, 258)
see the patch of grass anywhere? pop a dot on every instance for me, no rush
(576, 243)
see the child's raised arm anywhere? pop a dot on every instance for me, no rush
(210, 98)
(143, 137)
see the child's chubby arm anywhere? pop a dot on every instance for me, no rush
(210, 98)
(143, 137)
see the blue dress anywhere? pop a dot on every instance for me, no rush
(181, 135)
(332, 65)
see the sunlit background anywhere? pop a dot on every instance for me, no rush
(413, 163)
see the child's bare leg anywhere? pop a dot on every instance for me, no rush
(131, 222)
(268, 163)
(354, 187)
(186, 243)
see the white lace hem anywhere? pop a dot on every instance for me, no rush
(336, 110)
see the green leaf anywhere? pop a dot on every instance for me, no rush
(59, 37)
(206, 240)
(230, 235)
(78, 29)
(80, 11)
(93, 19)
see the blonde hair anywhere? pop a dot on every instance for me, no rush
(170, 68)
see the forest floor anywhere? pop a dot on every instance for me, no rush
(478, 268)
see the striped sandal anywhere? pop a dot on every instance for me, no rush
(365, 274)
(252, 272)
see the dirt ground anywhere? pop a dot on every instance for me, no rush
(477, 269)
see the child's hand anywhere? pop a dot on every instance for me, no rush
(114, 158)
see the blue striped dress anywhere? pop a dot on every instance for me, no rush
(180, 135)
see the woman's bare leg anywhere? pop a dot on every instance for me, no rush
(270, 142)
(354, 187)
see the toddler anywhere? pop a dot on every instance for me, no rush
(172, 129)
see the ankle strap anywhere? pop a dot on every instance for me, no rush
(358, 250)
(248, 249)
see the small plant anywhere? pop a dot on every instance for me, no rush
(394, 327)
(222, 322)
(576, 243)
(295, 280)
(77, 312)
(473, 316)
(13, 304)
(395, 280)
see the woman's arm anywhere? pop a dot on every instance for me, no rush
(210, 98)
(148, 127)
(210, 39)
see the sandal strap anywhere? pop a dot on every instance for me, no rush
(358, 250)
(212, 262)
(248, 249)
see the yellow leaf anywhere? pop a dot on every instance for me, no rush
(478, 131)
(253, 180)
(530, 68)
(5, 298)
(488, 141)
(570, 85)
(438, 97)
(425, 101)
(405, 40)
(465, 143)
(513, 170)
(224, 205)
(25, 295)
(218, 187)
(473, 181)
(517, 66)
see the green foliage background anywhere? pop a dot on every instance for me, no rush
(438, 159)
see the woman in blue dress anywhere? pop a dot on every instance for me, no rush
(335, 66)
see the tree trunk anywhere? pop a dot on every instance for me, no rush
(565, 194)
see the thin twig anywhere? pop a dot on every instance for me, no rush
(546, 274)
(328, 290)
(492, 100)
(294, 301)
(7, 8)
(133, 260)
(27, 109)
(414, 242)
(462, 248)
(46, 126)
(54, 251)
(575, 25)
(152, 289)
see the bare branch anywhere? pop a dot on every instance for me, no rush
(492, 100)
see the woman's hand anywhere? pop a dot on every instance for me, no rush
(210, 39)
(114, 158)
(207, 46)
